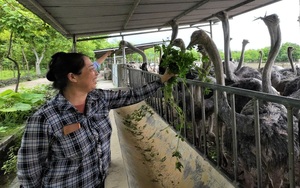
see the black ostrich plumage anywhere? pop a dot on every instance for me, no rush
(272, 117)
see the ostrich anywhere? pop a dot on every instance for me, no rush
(289, 71)
(260, 58)
(293, 85)
(246, 77)
(229, 67)
(174, 26)
(275, 76)
(233, 76)
(244, 43)
(193, 74)
(246, 71)
(290, 50)
(135, 49)
(288, 77)
(272, 117)
(179, 43)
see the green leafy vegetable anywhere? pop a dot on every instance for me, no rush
(179, 63)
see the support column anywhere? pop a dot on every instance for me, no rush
(74, 44)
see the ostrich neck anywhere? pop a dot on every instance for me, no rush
(129, 45)
(275, 47)
(291, 59)
(260, 60)
(214, 56)
(225, 109)
(226, 31)
(174, 30)
(242, 57)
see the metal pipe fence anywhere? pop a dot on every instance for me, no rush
(203, 130)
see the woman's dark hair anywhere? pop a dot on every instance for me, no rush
(61, 65)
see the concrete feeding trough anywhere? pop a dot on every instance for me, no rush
(147, 154)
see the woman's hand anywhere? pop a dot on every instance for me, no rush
(166, 76)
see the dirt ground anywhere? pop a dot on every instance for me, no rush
(26, 84)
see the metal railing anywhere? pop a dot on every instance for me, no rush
(194, 128)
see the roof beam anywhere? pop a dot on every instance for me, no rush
(188, 11)
(136, 3)
(213, 17)
(44, 12)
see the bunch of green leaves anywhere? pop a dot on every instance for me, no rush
(203, 71)
(177, 61)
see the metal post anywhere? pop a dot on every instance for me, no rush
(210, 27)
(258, 143)
(290, 125)
(74, 44)
(234, 137)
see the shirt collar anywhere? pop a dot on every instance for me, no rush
(62, 103)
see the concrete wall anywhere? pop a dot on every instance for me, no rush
(147, 154)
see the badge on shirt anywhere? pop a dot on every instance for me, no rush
(71, 128)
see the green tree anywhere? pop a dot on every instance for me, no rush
(32, 33)
(283, 56)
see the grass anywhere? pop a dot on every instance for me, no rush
(8, 74)
(282, 64)
(8, 130)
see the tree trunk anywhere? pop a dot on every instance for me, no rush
(38, 61)
(26, 61)
(15, 62)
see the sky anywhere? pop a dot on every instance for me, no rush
(242, 27)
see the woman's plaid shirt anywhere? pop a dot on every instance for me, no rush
(48, 158)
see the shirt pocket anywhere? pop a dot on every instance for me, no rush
(77, 144)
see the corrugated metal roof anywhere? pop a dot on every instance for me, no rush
(99, 17)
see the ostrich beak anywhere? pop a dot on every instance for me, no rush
(192, 43)
(190, 46)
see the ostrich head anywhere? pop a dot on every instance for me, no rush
(179, 43)
(196, 38)
(290, 49)
(122, 44)
(200, 37)
(245, 42)
(272, 22)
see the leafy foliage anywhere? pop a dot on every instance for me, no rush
(130, 121)
(14, 110)
(10, 166)
(179, 63)
(176, 61)
(16, 107)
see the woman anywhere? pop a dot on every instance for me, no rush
(66, 143)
